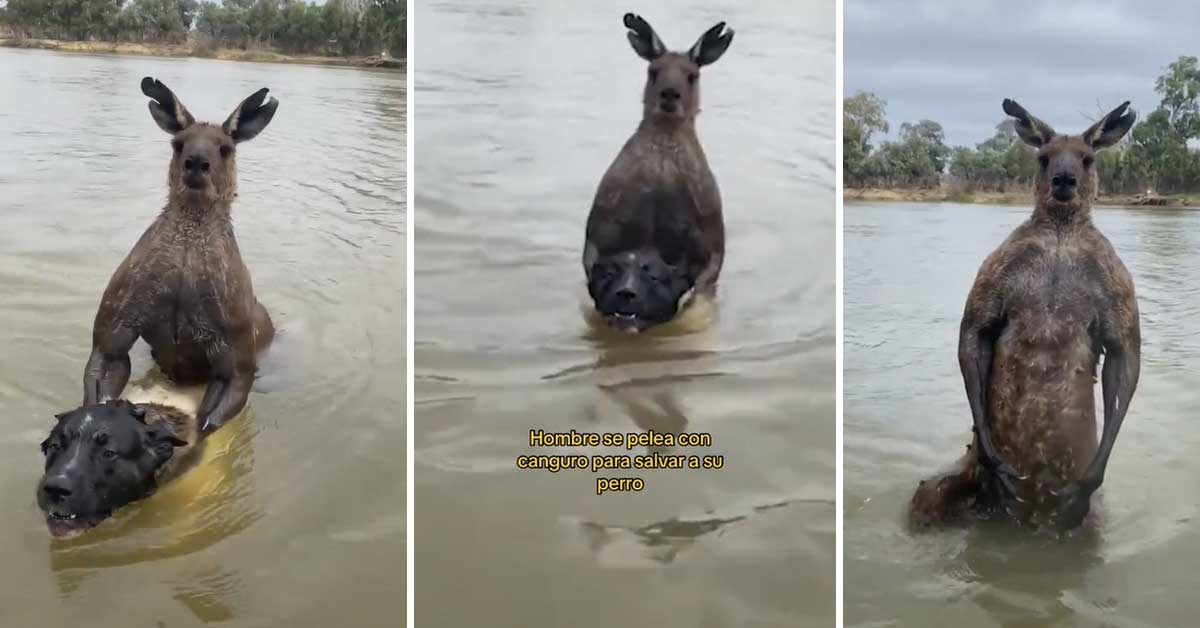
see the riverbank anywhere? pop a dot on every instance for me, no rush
(192, 50)
(942, 195)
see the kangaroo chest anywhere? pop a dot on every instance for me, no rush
(1053, 298)
(189, 288)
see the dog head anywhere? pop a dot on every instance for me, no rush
(99, 458)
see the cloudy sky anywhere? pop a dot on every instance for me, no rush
(1067, 62)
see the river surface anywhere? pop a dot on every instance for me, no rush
(522, 106)
(908, 269)
(297, 515)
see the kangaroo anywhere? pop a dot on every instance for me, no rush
(184, 288)
(1045, 305)
(655, 232)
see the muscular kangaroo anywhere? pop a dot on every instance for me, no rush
(655, 231)
(1045, 305)
(183, 288)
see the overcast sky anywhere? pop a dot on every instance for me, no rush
(1067, 62)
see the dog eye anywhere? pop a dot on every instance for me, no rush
(49, 447)
(108, 454)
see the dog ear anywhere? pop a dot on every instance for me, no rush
(163, 443)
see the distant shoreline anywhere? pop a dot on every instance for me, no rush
(189, 50)
(940, 195)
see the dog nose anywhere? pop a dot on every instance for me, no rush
(56, 487)
(626, 295)
(670, 93)
(196, 164)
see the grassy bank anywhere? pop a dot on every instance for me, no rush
(942, 195)
(191, 50)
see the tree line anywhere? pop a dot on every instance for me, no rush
(339, 27)
(1155, 155)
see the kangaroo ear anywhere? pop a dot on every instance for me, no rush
(642, 37)
(170, 114)
(251, 116)
(711, 45)
(1031, 130)
(1111, 128)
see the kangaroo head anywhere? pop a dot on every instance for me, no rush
(673, 78)
(203, 170)
(1066, 178)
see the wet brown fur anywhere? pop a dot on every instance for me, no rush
(182, 426)
(1045, 305)
(184, 288)
(659, 191)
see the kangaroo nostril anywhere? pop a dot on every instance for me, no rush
(1063, 180)
(187, 164)
(670, 94)
(204, 166)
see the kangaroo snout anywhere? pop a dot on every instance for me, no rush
(668, 100)
(1063, 186)
(195, 171)
(197, 164)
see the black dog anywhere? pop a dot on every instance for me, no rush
(637, 289)
(104, 456)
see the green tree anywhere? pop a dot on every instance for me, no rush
(863, 115)
(1180, 91)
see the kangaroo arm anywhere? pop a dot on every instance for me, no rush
(1122, 364)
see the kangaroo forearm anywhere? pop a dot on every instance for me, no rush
(708, 276)
(975, 360)
(223, 400)
(1118, 380)
(104, 377)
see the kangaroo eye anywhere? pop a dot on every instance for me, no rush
(226, 150)
(1088, 161)
(1044, 160)
(692, 78)
(177, 145)
(653, 74)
